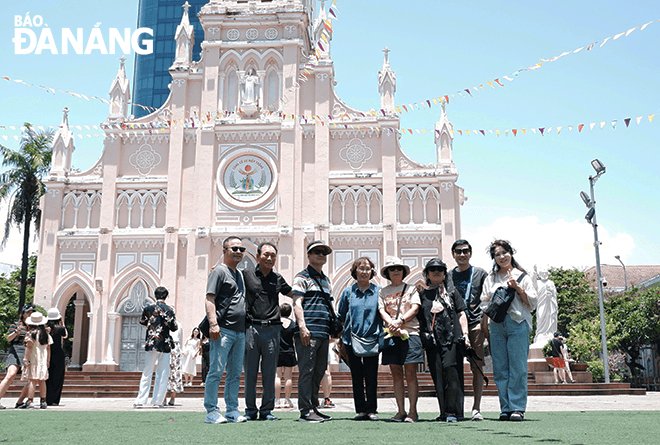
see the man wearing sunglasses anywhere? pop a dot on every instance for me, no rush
(262, 334)
(225, 309)
(312, 297)
(469, 281)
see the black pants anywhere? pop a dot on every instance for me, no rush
(55, 380)
(364, 372)
(446, 367)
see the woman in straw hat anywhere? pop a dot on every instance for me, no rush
(398, 304)
(37, 358)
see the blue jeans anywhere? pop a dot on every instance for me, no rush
(227, 351)
(509, 346)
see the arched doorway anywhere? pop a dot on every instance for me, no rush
(133, 302)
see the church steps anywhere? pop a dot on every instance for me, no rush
(79, 384)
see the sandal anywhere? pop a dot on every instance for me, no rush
(399, 417)
(410, 419)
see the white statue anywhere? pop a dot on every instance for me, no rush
(250, 88)
(546, 308)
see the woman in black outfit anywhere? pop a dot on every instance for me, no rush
(57, 366)
(442, 314)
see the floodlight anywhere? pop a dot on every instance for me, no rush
(586, 199)
(590, 215)
(598, 166)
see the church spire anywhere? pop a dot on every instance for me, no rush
(386, 83)
(120, 93)
(444, 140)
(62, 147)
(185, 39)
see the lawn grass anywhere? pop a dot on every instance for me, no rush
(154, 427)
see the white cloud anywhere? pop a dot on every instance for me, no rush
(557, 243)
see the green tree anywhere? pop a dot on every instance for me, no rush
(638, 322)
(575, 299)
(21, 185)
(9, 296)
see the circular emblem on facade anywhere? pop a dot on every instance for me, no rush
(252, 34)
(247, 178)
(233, 34)
(355, 153)
(271, 33)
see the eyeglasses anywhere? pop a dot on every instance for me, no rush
(397, 269)
(436, 269)
(319, 252)
(237, 249)
(364, 270)
(465, 251)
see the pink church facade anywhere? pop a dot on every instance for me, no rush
(241, 147)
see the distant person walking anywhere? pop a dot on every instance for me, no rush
(558, 362)
(191, 350)
(160, 320)
(509, 340)
(57, 366)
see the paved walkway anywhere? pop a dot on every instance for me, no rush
(648, 402)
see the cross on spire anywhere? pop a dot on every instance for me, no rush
(186, 6)
(387, 58)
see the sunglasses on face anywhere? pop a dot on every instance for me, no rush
(319, 252)
(396, 269)
(465, 251)
(436, 269)
(237, 249)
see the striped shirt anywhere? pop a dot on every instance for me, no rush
(315, 300)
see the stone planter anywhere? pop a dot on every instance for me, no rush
(579, 367)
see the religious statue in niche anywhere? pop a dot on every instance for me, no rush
(249, 93)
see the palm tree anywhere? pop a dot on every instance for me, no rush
(21, 185)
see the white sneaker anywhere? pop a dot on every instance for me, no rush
(235, 417)
(476, 415)
(215, 417)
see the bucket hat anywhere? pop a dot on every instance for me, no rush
(391, 261)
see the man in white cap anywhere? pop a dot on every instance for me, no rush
(312, 297)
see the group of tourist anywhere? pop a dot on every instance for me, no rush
(36, 354)
(444, 317)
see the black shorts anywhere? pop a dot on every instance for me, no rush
(287, 360)
(404, 351)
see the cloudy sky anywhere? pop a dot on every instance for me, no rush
(525, 187)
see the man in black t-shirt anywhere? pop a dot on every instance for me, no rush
(558, 362)
(469, 280)
(263, 287)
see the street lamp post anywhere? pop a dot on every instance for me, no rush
(625, 276)
(590, 202)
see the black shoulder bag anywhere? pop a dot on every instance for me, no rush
(501, 301)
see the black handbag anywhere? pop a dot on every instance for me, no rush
(501, 301)
(335, 325)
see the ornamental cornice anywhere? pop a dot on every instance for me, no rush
(349, 133)
(247, 135)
